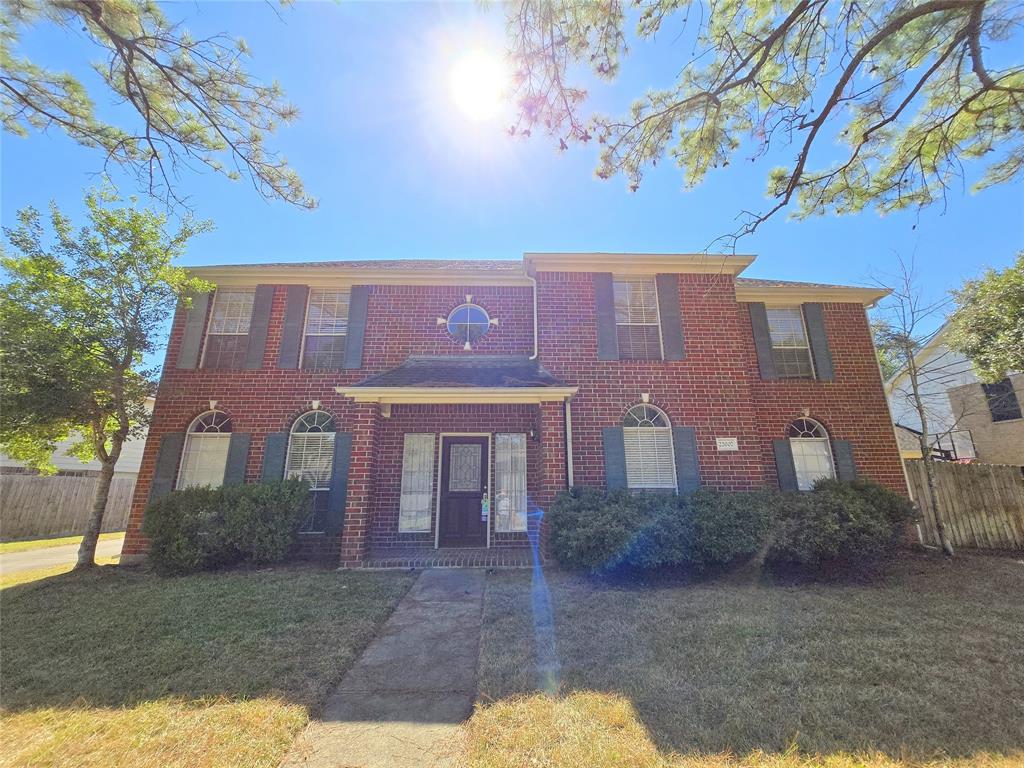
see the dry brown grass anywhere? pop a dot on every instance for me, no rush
(39, 574)
(119, 667)
(925, 667)
(6, 547)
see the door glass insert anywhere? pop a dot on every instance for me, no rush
(464, 467)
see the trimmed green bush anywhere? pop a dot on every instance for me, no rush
(729, 527)
(202, 528)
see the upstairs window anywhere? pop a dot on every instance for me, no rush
(228, 334)
(1002, 400)
(323, 347)
(790, 350)
(206, 451)
(812, 452)
(650, 458)
(311, 458)
(467, 323)
(637, 324)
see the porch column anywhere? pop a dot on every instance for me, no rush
(359, 500)
(553, 458)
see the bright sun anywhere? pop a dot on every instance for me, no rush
(477, 81)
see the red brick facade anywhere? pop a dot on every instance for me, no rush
(716, 389)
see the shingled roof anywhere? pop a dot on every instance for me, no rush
(463, 371)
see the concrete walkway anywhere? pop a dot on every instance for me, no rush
(48, 557)
(402, 701)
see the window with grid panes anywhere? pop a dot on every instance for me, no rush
(1002, 400)
(790, 350)
(228, 333)
(205, 454)
(812, 452)
(650, 458)
(637, 326)
(326, 329)
(311, 458)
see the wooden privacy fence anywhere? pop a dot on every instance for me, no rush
(982, 505)
(36, 506)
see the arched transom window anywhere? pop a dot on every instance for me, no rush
(311, 457)
(812, 452)
(650, 459)
(206, 450)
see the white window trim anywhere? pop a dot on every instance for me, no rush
(672, 449)
(807, 339)
(434, 480)
(213, 307)
(305, 318)
(657, 308)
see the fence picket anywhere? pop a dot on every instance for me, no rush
(33, 505)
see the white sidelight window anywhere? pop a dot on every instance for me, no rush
(227, 336)
(637, 323)
(206, 451)
(790, 349)
(510, 504)
(311, 458)
(812, 452)
(417, 483)
(650, 458)
(326, 329)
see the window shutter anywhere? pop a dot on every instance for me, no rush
(335, 517)
(604, 304)
(814, 317)
(294, 320)
(684, 440)
(671, 317)
(614, 458)
(275, 448)
(192, 338)
(238, 454)
(784, 466)
(359, 301)
(258, 326)
(762, 340)
(846, 468)
(165, 471)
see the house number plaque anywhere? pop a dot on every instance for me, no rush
(727, 443)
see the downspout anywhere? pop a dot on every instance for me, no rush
(568, 442)
(536, 346)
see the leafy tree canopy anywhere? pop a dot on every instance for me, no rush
(988, 324)
(908, 88)
(196, 103)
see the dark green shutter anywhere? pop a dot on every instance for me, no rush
(846, 468)
(604, 305)
(614, 458)
(784, 466)
(165, 472)
(358, 304)
(762, 340)
(275, 449)
(338, 494)
(259, 324)
(671, 316)
(238, 455)
(192, 338)
(296, 298)
(684, 442)
(814, 318)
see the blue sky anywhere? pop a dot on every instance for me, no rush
(399, 173)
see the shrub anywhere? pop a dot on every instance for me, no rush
(729, 527)
(201, 528)
(840, 524)
(591, 529)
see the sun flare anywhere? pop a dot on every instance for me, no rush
(478, 80)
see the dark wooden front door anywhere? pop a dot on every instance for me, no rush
(463, 485)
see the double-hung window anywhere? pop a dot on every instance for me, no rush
(323, 346)
(637, 325)
(510, 504)
(650, 458)
(1002, 401)
(812, 453)
(311, 458)
(227, 336)
(205, 455)
(417, 483)
(790, 349)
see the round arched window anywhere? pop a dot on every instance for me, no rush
(647, 439)
(467, 323)
(311, 458)
(211, 421)
(812, 452)
(205, 453)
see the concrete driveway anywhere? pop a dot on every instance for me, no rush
(15, 562)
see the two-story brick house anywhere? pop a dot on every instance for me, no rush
(437, 405)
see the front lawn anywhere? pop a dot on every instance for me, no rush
(7, 547)
(924, 667)
(121, 667)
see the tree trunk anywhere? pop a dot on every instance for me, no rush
(87, 550)
(940, 527)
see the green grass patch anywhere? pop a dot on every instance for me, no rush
(7, 547)
(118, 666)
(924, 667)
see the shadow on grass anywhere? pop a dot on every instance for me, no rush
(927, 659)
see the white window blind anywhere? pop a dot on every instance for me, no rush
(204, 460)
(650, 462)
(326, 329)
(417, 483)
(228, 332)
(311, 458)
(510, 482)
(790, 350)
(638, 328)
(813, 461)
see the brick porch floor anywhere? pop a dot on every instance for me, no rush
(418, 557)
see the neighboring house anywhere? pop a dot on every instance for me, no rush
(127, 464)
(438, 404)
(967, 419)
